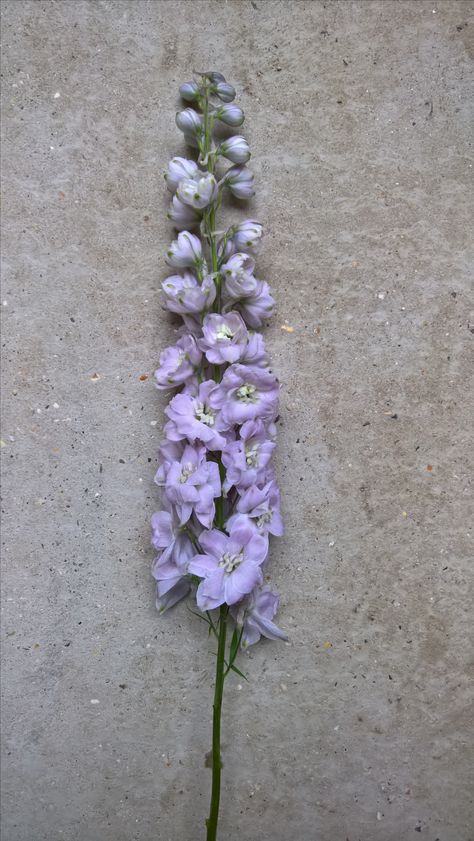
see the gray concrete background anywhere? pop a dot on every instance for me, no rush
(359, 728)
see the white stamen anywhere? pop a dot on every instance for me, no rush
(264, 519)
(247, 393)
(230, 562)
(224, 332)
(186, 473)
(204, 414)
(251, 456)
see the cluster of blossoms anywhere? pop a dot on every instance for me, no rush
(220, 501)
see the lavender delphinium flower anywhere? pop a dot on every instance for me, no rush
(192, 418)
(258, 306)
(183, 294)
(170, 567)
(245, 393)
(239, 280)
(246, 457)
(254, 615)
(231, 567)
(225, 337)
(255, 353)
(260, 505)
(220, 498)
(192, 484)
(178, 363)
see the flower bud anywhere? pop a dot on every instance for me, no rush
(225, 92)
(185, 251)
(216, 77)
(179, 168)
(189, 121)
(239, 180)
(236, 149)
(199, 192)
(246, 236)
(183, 216)
(232, 115)
(189, 91)
(256, 307)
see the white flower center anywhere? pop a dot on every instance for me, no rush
(264, 519)
(186, 473)
(229, 562)
(251, 455)
(247, 393)
(224, 332)
(204, 414)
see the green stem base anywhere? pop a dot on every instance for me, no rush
(213, 818)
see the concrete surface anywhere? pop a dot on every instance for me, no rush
(358, 119)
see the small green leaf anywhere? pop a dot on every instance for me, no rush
(234, 645)
(212, 625)
(235, 669)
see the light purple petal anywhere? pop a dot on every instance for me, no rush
(242, 581)
(210, 593)
(202, 565)
(179, 591)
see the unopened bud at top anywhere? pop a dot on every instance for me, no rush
(235, 149)
(215, 77)
(239, 180)
(231, 114)
(225, 91)
(246, 236)
(189, 91)
(189, 121)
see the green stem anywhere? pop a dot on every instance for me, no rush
(210, 228)
(219, 518)
(211, 822)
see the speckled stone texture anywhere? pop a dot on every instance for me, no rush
(359, 728)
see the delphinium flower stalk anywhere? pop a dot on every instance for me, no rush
(220, 500)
